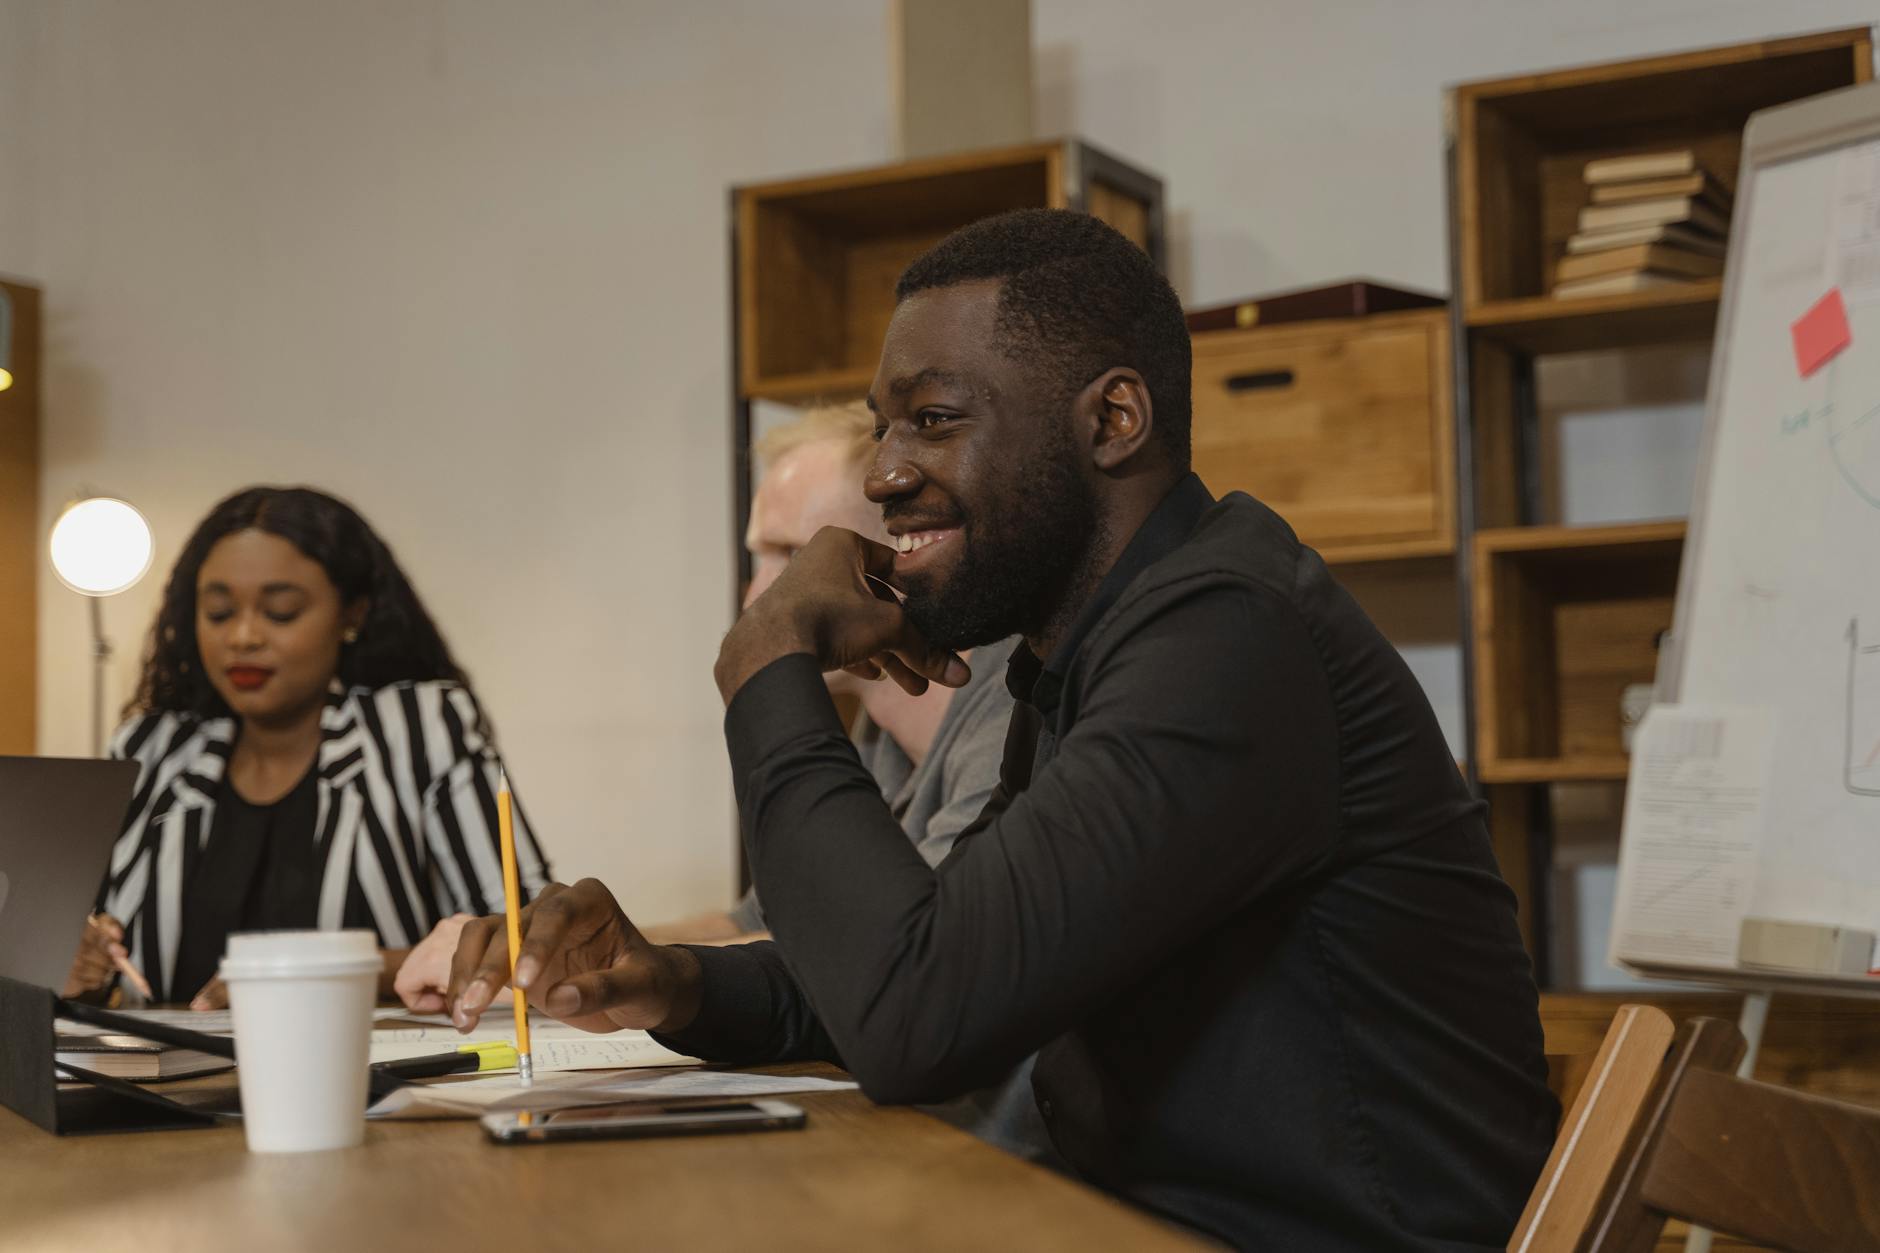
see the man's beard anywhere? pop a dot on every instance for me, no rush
(1019, 557)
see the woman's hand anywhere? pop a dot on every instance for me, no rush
(214, 995)
(100, 950)
(425, 974)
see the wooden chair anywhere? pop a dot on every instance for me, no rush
(1589, 1182)
(1662, 1129)
(1783, 1168)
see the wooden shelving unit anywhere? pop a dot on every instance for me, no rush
(814, 262)
(1558, 620)
(19, 524)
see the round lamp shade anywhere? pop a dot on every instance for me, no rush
(100, 546)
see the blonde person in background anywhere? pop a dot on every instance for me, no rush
(935, 756)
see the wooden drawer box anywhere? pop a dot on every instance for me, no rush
(1345, 427)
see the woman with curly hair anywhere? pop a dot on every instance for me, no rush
(311, 756)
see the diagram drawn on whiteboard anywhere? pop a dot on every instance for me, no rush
(1852, 438)
(1855, 448)
(1863, 714)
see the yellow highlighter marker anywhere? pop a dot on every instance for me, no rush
(496, 1055)
(464, 1059)
(512, 910)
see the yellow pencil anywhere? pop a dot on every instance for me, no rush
(512, 908)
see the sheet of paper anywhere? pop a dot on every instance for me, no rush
(1854, 252)
(210, 1022)
(493, 1027)
(213, 1021)
(562, 1048)
(1692, 835)
(470, 1098)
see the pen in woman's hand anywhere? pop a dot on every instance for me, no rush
(120, 958)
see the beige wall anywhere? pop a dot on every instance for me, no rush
(463, 262)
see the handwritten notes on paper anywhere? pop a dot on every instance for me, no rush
(469, 1098)
(619, 1051)
(1854, 246)
(1693, 834)
(554, 1045)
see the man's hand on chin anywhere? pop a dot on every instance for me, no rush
(826, 604)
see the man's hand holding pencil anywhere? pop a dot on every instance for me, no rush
(581, 961)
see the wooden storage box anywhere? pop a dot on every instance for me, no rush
(1344, 426)
(1522, 145)
(1565, 619)
(817, 258)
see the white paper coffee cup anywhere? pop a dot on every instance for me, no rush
(301, 1002)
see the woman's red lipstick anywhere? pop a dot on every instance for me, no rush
(248, 678)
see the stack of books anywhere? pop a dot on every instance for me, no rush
(1657, 219)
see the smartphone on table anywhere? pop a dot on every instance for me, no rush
(636, 1119)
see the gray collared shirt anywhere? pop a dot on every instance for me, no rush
(939, 798)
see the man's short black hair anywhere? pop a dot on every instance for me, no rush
(1078, 298)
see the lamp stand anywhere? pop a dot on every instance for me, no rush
(100, 659)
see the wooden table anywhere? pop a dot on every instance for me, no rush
(860, 1176)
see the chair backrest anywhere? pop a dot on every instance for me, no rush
(1587, 1197)
(1782, 1168)
(1589, 1148)
(1624, 1223)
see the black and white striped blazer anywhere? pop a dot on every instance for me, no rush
(406, 819)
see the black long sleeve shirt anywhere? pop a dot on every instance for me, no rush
(1231, 890)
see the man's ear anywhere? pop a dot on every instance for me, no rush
(1125, 417)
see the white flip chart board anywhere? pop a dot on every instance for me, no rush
(1774, 664)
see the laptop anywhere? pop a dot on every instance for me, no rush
(59, 818)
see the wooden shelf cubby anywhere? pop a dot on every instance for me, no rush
(816, 258)
(1565, 618)
(1522, 144)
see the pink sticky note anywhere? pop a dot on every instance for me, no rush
(1820, 333)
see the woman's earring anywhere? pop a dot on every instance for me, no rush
(350, 635)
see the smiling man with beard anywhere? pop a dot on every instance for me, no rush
(1230, 888)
